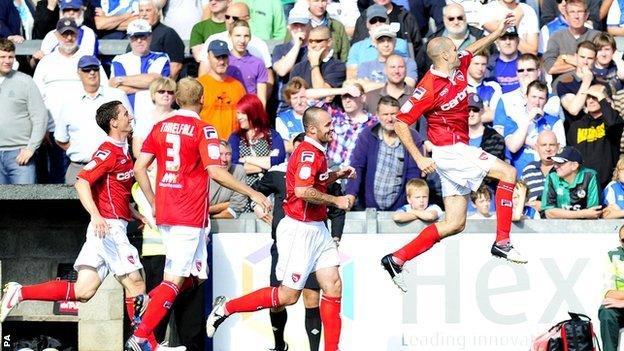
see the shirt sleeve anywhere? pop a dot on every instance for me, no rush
(149, 145)
(175, 47)
(117, 68)
(419, 103)
(101, 163)
(306, 169)
(614, 14)
(609, 195)
(209, 146)
(281, 128)
(161, 66)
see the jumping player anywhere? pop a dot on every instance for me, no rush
(441, 97)
(304, 244)
(186, 151)
(103, 187)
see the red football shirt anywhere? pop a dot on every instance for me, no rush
(443, 101)
(307, 166)
(110, 174)
(183, 146)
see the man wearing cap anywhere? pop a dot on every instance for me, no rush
(525, 21)
(48, 12)
(364, 49)
(134, 71)
(483, 136)
(221, 92)
(571, 192)
(320, 69)
(503, 66)
(22, 123)
(86, 38)
(384, 39)
(76, 129)
(596, 134)
(394, 14)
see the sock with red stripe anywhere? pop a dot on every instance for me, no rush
(54, 290)
(423, 242)
(162, 298)
(257, 300)
(504, 207)
(332, 324)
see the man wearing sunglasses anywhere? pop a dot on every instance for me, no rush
(397, 16)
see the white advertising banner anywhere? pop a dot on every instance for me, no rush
(459, 297)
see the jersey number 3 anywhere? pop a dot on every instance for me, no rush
(172, 164)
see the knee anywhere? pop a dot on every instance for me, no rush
(84, 294)
(334, 287)
(288, 297)
(311, 298)
(510, 173)
(455, 227)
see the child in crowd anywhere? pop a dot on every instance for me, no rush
(481, 200)
(417, 204)
(614, 193)
(520, 209)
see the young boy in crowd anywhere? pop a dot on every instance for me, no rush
(520, 209)
(417, 204)
(482, 202)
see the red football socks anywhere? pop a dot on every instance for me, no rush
(54, 290)
(423, 242)
(162, 298)
(332, 324)
(504, 207)
(257, 300)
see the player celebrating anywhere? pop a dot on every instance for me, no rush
(186, 152)
(103, 187)
(441, 97)
(304, 244)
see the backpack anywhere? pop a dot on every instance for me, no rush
(574, 334)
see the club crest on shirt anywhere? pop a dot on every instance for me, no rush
(307, 156)
(419, 93)
(101, 154)
(210, 132)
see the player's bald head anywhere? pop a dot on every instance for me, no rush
(189, 92)
(437, 46)
(311, 117)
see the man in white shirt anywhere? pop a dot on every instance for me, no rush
(525, 20)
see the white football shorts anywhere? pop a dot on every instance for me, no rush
(461, 167)
(185, 250)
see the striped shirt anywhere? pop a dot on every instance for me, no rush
(534, 178)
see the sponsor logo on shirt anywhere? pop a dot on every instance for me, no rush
(210, 132)
(125, 175)
(324, 176)
(419, 93)
(455, 101)
(102, 154)
(307, 156)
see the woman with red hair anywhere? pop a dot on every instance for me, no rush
(254, 144)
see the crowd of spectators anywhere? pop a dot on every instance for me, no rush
(547, 97)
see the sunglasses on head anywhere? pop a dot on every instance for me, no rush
(459, 18)
(376, 20)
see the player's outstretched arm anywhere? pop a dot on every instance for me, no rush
(140, 174)
(83, 188)
(224, 178)
(488, 40)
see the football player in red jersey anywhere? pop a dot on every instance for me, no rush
(186, 151)
(442, 97)
(303, 242)
(103, 187)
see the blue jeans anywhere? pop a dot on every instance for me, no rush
(12, 173)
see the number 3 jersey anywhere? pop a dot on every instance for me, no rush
(110, 174)
(183, 146)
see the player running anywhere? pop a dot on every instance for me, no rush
(186, 151)
(441, 97)
(304, 244)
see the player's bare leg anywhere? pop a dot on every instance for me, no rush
(502, 247)
(136, 300)
(311, 300)
(453, 223)
(331, 284)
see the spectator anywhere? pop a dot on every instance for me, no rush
(86, 38)
(550, 9)
(204, 29)
(571, 192)
(162, 90)
(480, 134)
(417, 204)
(382, 164)
(225, 202)
(254, 144)
(48, 12)
(23, 121)
(221, 92)
(455, 28)
(256, 47)
(113, 17)
(614, 193)
(364, 49)
(348, 124)
(558, 57)
(289, 123)
(384, 39)
(482, 202)
(523, 126)
(181, 15)
(408, 28)
(395, 86)
(247, 69)
(520, 209)
(164, 38)
(134, 71)
(525, 21)
(321, 69)
(611, 308)
(535, 173)
(606, 69)
(547, 29)
(24, 24)
(503, 67)
(344, 11)
(76, 129)
(615, 24)
(473, 10)
(267, 19)
(596, 134)
(424, 12)
(489, 91)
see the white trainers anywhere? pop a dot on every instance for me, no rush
(507, 252)
(11, 297)
(216, 316)
(164, 347)
(395, 271)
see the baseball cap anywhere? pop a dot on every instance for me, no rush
(296, 16)
(139, 27)
(510, 32)
(383, 30)
(375, 11)
(70, 4)
(568, 153)
(88, 61)
(218, 48)
(66, 24)
(475, 101)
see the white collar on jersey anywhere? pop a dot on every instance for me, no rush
(121, 144)
(186, 113)
(315, 143)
